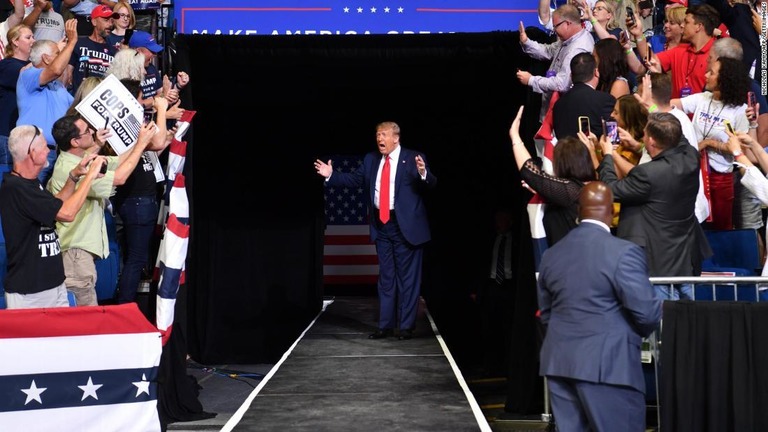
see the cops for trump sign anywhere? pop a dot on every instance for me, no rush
(111, 105)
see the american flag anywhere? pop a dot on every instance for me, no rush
(171, 257)
(537, 205)
(349, 257)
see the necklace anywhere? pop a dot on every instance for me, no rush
(711, 118)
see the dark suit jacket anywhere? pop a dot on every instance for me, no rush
(657, 210)
(581, 100)
(597, 303)
(409, 187)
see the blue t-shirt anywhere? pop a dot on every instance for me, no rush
(41, 105)
(90, 58)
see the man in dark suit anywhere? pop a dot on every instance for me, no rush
(394, 180)
(596, 303)
(657, 202)
(582, 100)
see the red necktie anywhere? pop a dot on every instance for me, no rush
(384, 192)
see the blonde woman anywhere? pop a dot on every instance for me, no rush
(602, 17)
(20, 40)
(123, 24)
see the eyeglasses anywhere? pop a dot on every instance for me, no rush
(122, 15)
(88, 131)
(598, 8)
(37, 134)
(560, 23)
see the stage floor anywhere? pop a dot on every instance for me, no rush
(336, 379)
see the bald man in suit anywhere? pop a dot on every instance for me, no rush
(597, 304)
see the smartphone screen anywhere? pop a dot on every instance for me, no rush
(612, 131)
(584, 124)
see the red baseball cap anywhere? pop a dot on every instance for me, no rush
(102, 11)
(677, 2)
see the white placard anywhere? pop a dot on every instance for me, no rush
(111, 104)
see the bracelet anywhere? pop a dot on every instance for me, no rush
(73, 178)
(653, 108)
(629, 51)
(753, 125)
(517, 143)
(593, 20)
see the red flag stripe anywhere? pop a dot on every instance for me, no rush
(350, 260)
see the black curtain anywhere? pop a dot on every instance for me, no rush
(713, 366)
(268, 106)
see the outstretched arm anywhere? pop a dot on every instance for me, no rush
(518, 147)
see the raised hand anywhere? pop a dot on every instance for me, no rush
(324, 169)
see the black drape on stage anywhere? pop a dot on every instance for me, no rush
(713, 366)
(268, 106)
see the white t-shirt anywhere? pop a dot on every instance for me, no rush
(49, 26)
(708, 122)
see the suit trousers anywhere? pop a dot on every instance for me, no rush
(399, 284)
(585, 406)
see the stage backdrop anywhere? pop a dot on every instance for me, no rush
(339, 17)
(268, 106)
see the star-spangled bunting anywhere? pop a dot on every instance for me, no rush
(79, 369)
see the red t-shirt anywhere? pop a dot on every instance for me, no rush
(688, 66)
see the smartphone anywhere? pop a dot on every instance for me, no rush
(612, 131)
(623, 38)
(584, 125)
(630, 18)
(729, 126)
(751, 102)
(127, 37)
(103, 168)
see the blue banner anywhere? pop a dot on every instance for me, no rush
(338, 17)
(144, 4)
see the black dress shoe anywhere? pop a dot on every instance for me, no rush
(380, 334)
(405, 334)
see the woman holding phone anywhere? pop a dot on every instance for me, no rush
(572, 168)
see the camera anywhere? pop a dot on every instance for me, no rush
(103, 168)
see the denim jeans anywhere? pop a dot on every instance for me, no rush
(139, 217)
(5, 154)
(674, 292)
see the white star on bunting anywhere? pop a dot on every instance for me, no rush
(33, 393)
(90, 389)
(142, 386)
